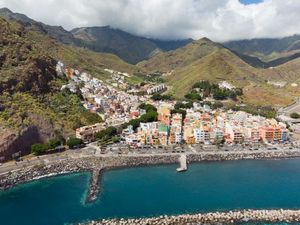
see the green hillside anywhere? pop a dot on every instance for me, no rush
(206, 60)
(30, 95)
(28, 80)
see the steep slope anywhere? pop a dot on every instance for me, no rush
(166, 62)
(202, 59)
(128, 47)
(105, 39)
(56, 32)
(32, 106)
(206, 60)
(217, 66)
(22, 62)
(288, 72)
(273, 51)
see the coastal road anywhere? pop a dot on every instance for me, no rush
(92, 152)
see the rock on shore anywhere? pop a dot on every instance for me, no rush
(230, 217)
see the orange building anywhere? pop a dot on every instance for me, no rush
(270, 134)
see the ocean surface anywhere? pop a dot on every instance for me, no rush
(158, 190)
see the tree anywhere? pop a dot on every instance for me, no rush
(219, 94)
(159, 97)
(73, 142)
(53, 143)
(147, 107)
(135, 123)
(193, 96)
(202, 85)
(239, 91)
(115, 139)
(150, 116)
(106, 134)
(233, 95)
(181, 105)
(295, 115)
(38, 149)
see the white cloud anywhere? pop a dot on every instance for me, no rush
(219, 20)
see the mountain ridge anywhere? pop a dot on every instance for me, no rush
(272, 51)
(130, 48)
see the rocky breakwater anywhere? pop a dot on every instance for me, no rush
(41, 170)
(95, 165)
(242, 155)
(115, 162)
(230, 217)
(94, 186)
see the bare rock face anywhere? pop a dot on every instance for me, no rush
(12, 142)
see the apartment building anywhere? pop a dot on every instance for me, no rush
(87, 133)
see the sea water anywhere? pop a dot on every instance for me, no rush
(154, 191)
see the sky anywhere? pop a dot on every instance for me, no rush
(219, 20)
(246, 2)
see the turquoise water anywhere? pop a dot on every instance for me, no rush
(151, 191)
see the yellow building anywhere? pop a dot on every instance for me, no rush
(188, 135)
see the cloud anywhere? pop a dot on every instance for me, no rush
(219, 20)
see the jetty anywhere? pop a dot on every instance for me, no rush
(94, 185)
(182, 163)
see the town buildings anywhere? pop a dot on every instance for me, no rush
(115, 106)
(201, 125)
(214, 127)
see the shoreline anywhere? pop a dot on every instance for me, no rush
(98, 165)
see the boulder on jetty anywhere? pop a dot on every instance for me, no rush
(230, 217)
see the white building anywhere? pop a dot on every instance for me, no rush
(156, 89)
(226, 85)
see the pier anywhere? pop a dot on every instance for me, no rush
(182, 163)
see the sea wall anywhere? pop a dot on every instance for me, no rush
(231, 217)
(97, 165)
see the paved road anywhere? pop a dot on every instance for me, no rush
(92, 151)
